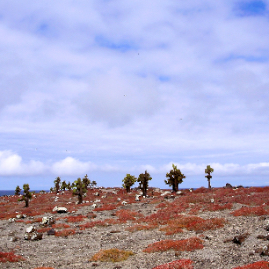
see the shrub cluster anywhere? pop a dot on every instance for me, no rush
(189, 244)
(111, 255)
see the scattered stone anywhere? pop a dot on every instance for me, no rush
(60, 209)
(51, 232)
(12, 220)
(165, 193)
(124, 202)
(263, 237)
(47, 221)
(32, 234)
(12, 237)
(239, 239)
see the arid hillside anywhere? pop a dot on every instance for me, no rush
(218, 228)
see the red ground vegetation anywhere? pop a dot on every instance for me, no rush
(78, 218)
(65, 232)
(251, 211)
(255, 265)
(189, 244)
(10, 257)
(179, 264)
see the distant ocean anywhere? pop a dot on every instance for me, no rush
(12, 192)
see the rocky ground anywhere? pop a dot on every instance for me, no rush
(222, 247)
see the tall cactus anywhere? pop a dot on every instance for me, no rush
(128, 182)
(174, 177)
(79, 189)
(209, 170)
(27, 195)
(143, 180)
(57, 182)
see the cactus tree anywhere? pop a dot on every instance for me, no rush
(128, 182)
(86, 181)
(57, 182)
(209, 170)
(17, 190)
(79, 189)
(27, 195)
(143, 180)
(174, 177)
(63, 186)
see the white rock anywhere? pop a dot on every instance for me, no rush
(124, 202)
(30, 229)
(212, 200)
(165, 193)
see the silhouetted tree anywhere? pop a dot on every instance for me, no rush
(128, 182)
(143, 180)
(174, 177)
(57, 182)
(86, 181)
(17, 190)
(27, 195)
(209, 170)
(79, 189)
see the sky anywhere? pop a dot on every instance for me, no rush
(113, 87)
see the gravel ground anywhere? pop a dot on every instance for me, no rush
(75, 251)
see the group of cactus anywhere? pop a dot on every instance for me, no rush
(174, 177)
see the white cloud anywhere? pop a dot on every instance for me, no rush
(70, 166)
(11, 164)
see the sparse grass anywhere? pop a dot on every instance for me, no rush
(179, 264)
(189, 244)
(10, 257)
(111, 255)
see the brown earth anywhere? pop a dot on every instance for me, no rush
(76, 250)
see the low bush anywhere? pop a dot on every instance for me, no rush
(10, 257)
(179, 264)
(255, 265)
(111, 255)
(189, 244)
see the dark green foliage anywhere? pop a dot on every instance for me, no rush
(86, 181)
(17, 190)
(209, 170)
(63, 186)
(174, 177)
(143, 180)
(51, 189)
(93, 184)
(57, 182)
(79, 189)
(128, 182)
(27, 195)
(68, 186)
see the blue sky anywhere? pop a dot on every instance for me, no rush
(115, 87)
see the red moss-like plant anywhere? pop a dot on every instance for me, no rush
(10, 257)
(125, 215)
(111, 255)
(255, 265)
(179, 264)
(75, 218)
(105, 207)
(140, 227)
(60, 226)
(44, 268)
(192, 223)
(251, 211)
(189, 244)
(43, 230)
(65, 232)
